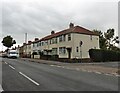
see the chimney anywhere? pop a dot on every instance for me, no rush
(24, 44)
(52, 32)
(71, 25)
(29, 42)
(36, 39)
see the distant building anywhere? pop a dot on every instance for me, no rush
(73, 42)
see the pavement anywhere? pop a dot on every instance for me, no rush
(24, 75)
(110, 68)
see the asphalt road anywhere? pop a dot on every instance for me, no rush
(18, 75)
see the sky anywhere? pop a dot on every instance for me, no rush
(38, 18)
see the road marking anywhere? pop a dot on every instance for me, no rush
(52, 65)
(11, 67)
(109, 74)
(68, 68)
(89, 71)
(63, 67)
(1, 89)
(29, 78)
(58, 66)
(98, 72)
(77, 69)
(6, 63)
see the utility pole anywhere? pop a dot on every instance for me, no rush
(25, 45)
(25, 37)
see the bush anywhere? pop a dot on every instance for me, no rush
(99, 55)
(34, 53)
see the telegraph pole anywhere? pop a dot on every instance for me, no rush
(25, 37)
(25, 45)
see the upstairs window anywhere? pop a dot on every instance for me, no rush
(64, 36)
(91, 37)
(60, 39)
(50, 41)
(69, 37)
(39, 43)
(56, 40)
(42, 43)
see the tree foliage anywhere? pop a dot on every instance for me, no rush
(8, 41)
(108, 40)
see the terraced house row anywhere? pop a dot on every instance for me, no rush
(73, 42)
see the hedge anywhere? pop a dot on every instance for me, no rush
(99, 55)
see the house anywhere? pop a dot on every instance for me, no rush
(21, 51)
(29, 49)
(26, 50)
(71, 43)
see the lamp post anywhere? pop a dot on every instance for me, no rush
(81, 51)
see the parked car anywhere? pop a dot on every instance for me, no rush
(12, 54)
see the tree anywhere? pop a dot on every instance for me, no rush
(107, 39)
(111, 39)
(102, 39)
(8, 41)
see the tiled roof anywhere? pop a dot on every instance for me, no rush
(76, 29)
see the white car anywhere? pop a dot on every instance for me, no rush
(13, 54)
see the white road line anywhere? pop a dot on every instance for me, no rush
(83, 70)
(1, 89)
(6, 63)
(117, 75)
(89, 71)
(52, 65)
(63, 67)
(58, 66)
(11, 67)
(109, 74)
(77, 69)
(98, 72)
(29, 78)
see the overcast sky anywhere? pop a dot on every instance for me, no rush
(38, 18)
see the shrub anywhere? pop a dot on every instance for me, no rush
(99, 55)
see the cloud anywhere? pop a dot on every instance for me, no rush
(39, 17)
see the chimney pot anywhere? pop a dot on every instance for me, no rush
(71, 25)
(52, 32)
(29, 42)
(36, 39)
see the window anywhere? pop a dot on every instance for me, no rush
(33, 44)
(64, 37)
(50, 41)
(39, 43)
(54, 51)
(46, 42)
(91, 37)
(56, 40)
(60, 39)
(69, 37)
(62, 50)
(77, 49)
(42, 43)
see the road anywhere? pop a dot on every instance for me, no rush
(19, 75)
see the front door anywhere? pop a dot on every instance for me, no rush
(69, 52)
